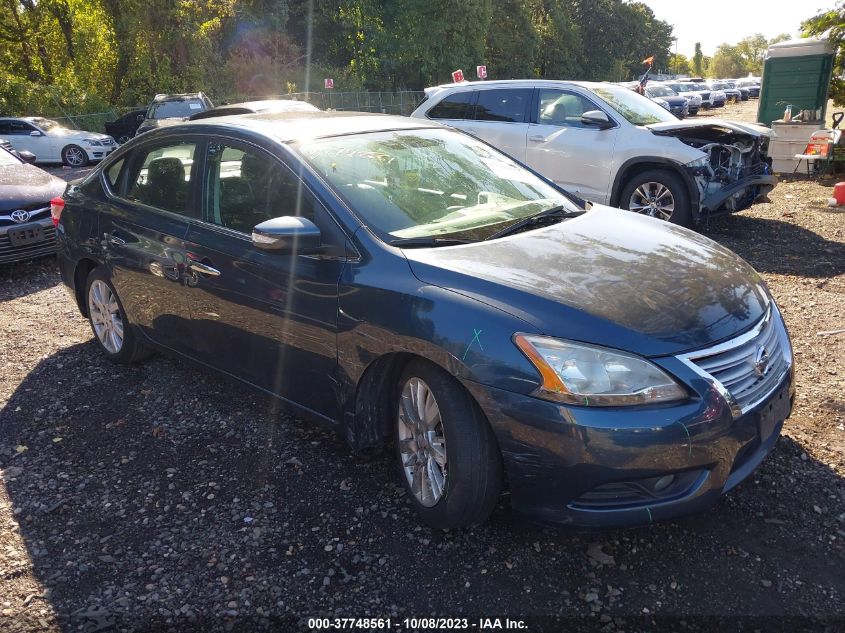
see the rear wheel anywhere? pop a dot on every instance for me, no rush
(123, 138)
(660, 194)
(74, 156)
(108, 321)
(447, 455)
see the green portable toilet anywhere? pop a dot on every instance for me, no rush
(795, 73)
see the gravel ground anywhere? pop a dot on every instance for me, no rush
(156, 497)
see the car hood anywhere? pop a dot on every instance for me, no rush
(682, 125)
(609, 277)
(25, 185)
(78, 134)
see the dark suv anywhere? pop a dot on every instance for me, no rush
(171, 109)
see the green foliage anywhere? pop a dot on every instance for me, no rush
(83, 55)
(679, 64)
(728, 62)
(833, 23)
(698, 61)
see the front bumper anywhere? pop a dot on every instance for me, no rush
(598, 467)
(99, 153)
(19, 242)
(738, 195)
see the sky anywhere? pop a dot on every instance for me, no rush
(714, 22)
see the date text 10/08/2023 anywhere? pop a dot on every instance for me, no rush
(417, 624)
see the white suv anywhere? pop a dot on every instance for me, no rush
(613, 146)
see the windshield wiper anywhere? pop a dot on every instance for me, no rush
(426, 242)
(543, 217)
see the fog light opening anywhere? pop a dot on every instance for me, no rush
(663, 483)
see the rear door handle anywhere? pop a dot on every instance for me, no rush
(205, 269)
(537, 139)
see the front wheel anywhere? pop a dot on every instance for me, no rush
(660, 194)
(74, 156)
(108, 321)
(123, 138)
(448, 458)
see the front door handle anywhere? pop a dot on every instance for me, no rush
(205, 269)
(537, 139)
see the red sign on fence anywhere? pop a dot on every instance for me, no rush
(481, 71)
(329, 83)
(458, 76)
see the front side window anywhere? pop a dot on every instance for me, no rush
(507, 105)
(635, 108)
(163, 176)
(429, 183)
(21, 128)
(563, 109)
(456, 106)
(47, 125)
(246, 187)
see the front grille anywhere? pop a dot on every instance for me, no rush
(36, 211)
(8, 253)
(705, 96)
(736, 365)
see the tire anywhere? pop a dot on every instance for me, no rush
(74, 156)
(461, 440)
(123, 138)
(649, 182)
(100, 296)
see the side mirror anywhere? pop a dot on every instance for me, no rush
(287, 234)
(27, 157)
(36, 133)
(596, 118)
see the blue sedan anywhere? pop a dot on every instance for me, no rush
(415, 288)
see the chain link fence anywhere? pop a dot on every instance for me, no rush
(403, 102)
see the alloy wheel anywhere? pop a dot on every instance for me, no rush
(74, 157)
(654, 199)
(422, 442)
(105, 316)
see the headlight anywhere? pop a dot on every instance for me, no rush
(704, 161)
(91, 141)
(594, 376)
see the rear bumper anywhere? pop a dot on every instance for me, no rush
(598, 467)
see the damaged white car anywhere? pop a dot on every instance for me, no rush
(612, 146)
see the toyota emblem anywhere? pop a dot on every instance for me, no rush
(761, 362)
(20, 216)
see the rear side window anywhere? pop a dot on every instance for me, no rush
(456, 106)
(507, 105)
(163, 177)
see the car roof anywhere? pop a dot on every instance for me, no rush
(249, 107)
(293, 126)
(526, 83)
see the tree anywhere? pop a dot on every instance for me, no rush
(833, 23)
(698, 61)
(679, 64)
(783, 37)
(727, 62)
(511, 40)
(752, 50)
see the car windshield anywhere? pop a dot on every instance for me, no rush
(661, 91)
(636, 108)
(7, 159)
(46, 124)
(717, 85)
(175, 109)
(681, 88)
(430, 183)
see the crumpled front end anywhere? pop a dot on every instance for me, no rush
(735, 171)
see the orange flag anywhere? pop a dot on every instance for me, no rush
(649, 60)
